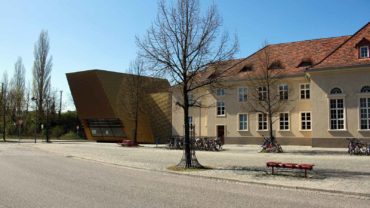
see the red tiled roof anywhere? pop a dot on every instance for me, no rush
(290, 55)
(346, 54)
(323, 53)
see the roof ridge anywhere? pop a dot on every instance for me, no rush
(308, 40)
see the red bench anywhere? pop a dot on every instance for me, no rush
(304, 167)
(127, 143)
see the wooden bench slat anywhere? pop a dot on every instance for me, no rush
(302, 166)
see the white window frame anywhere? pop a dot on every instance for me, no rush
(284, 91)
(288, 129)
(220, 92)
(367, 49)
(300, 120)
(337, 96)
(242, 97)
(263, 93)
(247, 122)
(304, 89)
(267, 122)
(366, 96)
(337, 119)
(224, 109)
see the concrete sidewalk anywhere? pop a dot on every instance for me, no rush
(334, 169)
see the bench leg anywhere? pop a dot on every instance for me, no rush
(305, 173)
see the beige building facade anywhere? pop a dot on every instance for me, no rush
(327, 84)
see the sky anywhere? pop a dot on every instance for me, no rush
(100, 34)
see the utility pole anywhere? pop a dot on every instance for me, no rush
(3, 98)
(60, 104)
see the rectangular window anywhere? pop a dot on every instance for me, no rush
(283, 92)
(262, 93)
(364, 52)
(305, 120)
(220, 92)
(284, 121)
(243, 122)
(190, 120)
(305, 91)
(336, 114)
(191, 98)
(242, 94)
(365, 113)
(262, 121)
(220, 108)
(191, 127)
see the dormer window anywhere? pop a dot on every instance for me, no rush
(364, 52)
(305, 63)
(214, 75)
(276, 65)
(246, 68)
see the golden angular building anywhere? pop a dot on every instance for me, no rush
(103, 101)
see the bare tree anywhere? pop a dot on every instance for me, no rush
(4, 101)
(27, 97)
(42, 67)
(136, 92)
(180, 44)
(268, 96)
(17, 90)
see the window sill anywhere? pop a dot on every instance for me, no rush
(221, 116)
(243, 130)
(363, 130)
(305, 130)
(285, 130)
(265, 130)
(339, 130)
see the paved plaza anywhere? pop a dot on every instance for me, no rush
(32, 177)
(334, 171)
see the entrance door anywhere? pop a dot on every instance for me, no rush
(221, 133)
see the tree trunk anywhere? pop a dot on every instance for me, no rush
(136, 121)
(272, 138)
(187, 138)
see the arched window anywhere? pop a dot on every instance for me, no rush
(335, 90)
(365, 89)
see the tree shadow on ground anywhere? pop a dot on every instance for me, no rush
(296, 173)
(317, 152)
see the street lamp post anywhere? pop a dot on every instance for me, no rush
(60, 105)
(3, 99)
(36, 125)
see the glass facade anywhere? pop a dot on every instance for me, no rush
(105, 127)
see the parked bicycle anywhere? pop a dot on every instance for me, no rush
(356, 147)
(197, 143)
(269, 146)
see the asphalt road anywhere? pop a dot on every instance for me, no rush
(33, 178)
